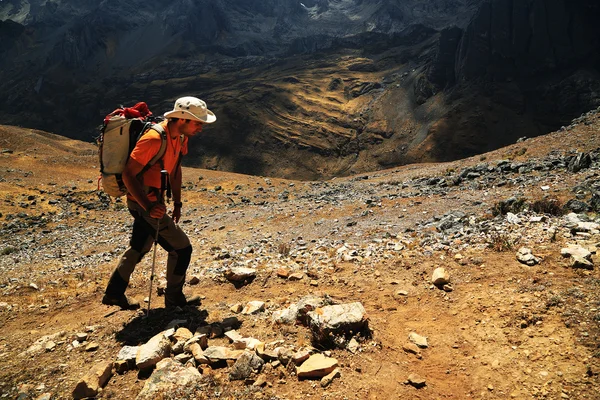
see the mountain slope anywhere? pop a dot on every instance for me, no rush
(312, 89)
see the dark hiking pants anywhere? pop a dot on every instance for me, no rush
(170, 237)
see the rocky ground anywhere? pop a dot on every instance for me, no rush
(471, 279)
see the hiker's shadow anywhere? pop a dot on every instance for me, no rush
(141, 328)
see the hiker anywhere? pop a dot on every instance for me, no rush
(144, 203)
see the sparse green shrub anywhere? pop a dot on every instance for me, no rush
(8, 250)
(500, 242)
(554, 301)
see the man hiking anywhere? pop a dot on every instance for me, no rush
(145, 204)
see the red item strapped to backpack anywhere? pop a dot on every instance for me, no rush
(140, 110)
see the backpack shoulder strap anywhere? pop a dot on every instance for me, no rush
(163, 145)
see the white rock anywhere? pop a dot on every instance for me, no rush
(150, 353)
(440, 277)
(417, 339)
(512, 218)
(253, 307)
(239, 274)
(576, 250)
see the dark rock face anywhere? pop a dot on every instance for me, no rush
(518, 39)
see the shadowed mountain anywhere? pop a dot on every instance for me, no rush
(307, 90)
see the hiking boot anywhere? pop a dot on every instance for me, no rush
(122, 301)
(180, 300)
(115, 293)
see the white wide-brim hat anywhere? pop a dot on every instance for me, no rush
(193, 109)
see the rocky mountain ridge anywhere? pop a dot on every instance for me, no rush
(337, 87)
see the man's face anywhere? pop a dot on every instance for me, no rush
(189, 128)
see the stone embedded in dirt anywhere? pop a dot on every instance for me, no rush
(265, 354)
(240, 274)
(575, 250)
(247, 363)
(241, 343)
(525, 256)
(283, 273)
(352, 346)
(440, 277)
(317, 366)
(96, 378)
(81, 337)
(296, 276)
(253, 307)
(194, 280)
(216, 353)
(416, 381)
(337, 320)
(93, 346)
(50, 346)
(412, 348)
(580, 262)
(326, 380)
(150, 353)
(513, 219)
(417, 339)
(577, 225)
(40, 344)
(236, 308)
(170, 377)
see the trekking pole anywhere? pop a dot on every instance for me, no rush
(163, 185)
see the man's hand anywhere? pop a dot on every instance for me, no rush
(176, 212)
(157, 210)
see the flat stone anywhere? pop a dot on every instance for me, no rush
(215, 353)
(240, 274)
(417, 339)
(128, 353)
(150, 353)
(576, 250)
(317, 366)
(416, 381)
(254, 307)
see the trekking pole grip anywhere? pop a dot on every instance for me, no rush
(164, 181)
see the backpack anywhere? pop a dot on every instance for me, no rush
(120, 132)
